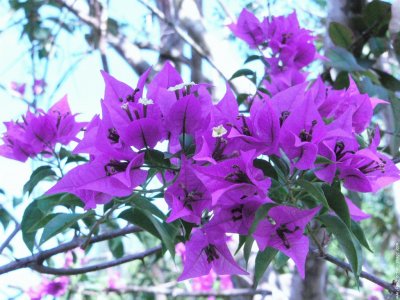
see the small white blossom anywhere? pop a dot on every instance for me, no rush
(219, 131)
(180, 86)
(125, 106)
(146, 101)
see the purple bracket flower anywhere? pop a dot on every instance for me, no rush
(283, 230)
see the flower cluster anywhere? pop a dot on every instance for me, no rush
(285, 46)
(55, 287)
(211, 180)
(39, 132)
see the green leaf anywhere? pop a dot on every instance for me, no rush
(281, 260)
(4, 217)
(187, 144)
(137, 217)
(378, 45)
(155, 158)
(343, 60)
(116, 247)
(377, 15)
(167, 232)
(242, 241)
(242, 72)
(144, 219)
(60, 223)
(145, 204)
(347, 242)
(32, 216)
(342, 81)
(315, 191)
(263, 260)
(337, 202)
(261, 214)
(322, 160)
(388, 81)
(266, 167)
(38, 175)
(241, 98)
(359, 234)
(282, 166)
(248, 245)
(340, 34)
(252, 58)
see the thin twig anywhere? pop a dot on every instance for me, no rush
(102, 14)
(96, 225)
(39, 257)
(10, 237)
(185, 37)
(226, 11)
(176, 292)
(129, 51)
(392, 288)
(37, 266)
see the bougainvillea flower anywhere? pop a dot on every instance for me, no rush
(260, 131)
(291, 45)
(283, 80)
(236, 209)
(40, 132)
(98, 181)
(283, 230)
(18, 89)
(38, 86)
(190, 114)
(220, 177)
(214, 145)
(367, 171)
(248, 28)
(137, 119)
(55, 287)
(300, 134)
(188, 197)
(15, 145)
(207, 250)
(102, 138)
(356, 213)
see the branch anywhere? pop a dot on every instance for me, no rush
(176, 292)
(10, 237)
(102, 14)
(38, 258)
(128, 50)
(391, 287)
(184, 36)
(37, 266)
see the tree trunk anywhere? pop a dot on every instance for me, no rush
(313, 287)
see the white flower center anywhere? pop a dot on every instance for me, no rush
(180, 86)
(146, 101)
(219, 131)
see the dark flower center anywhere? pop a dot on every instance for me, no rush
(306, 136)
(237, 176)
(115, 166)
(284, 115)
(237, 213)
(113, 135)
(339, 150)
(211, 252)
(190, 197)
(220, 145)
(374, 166)
(282, 230)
